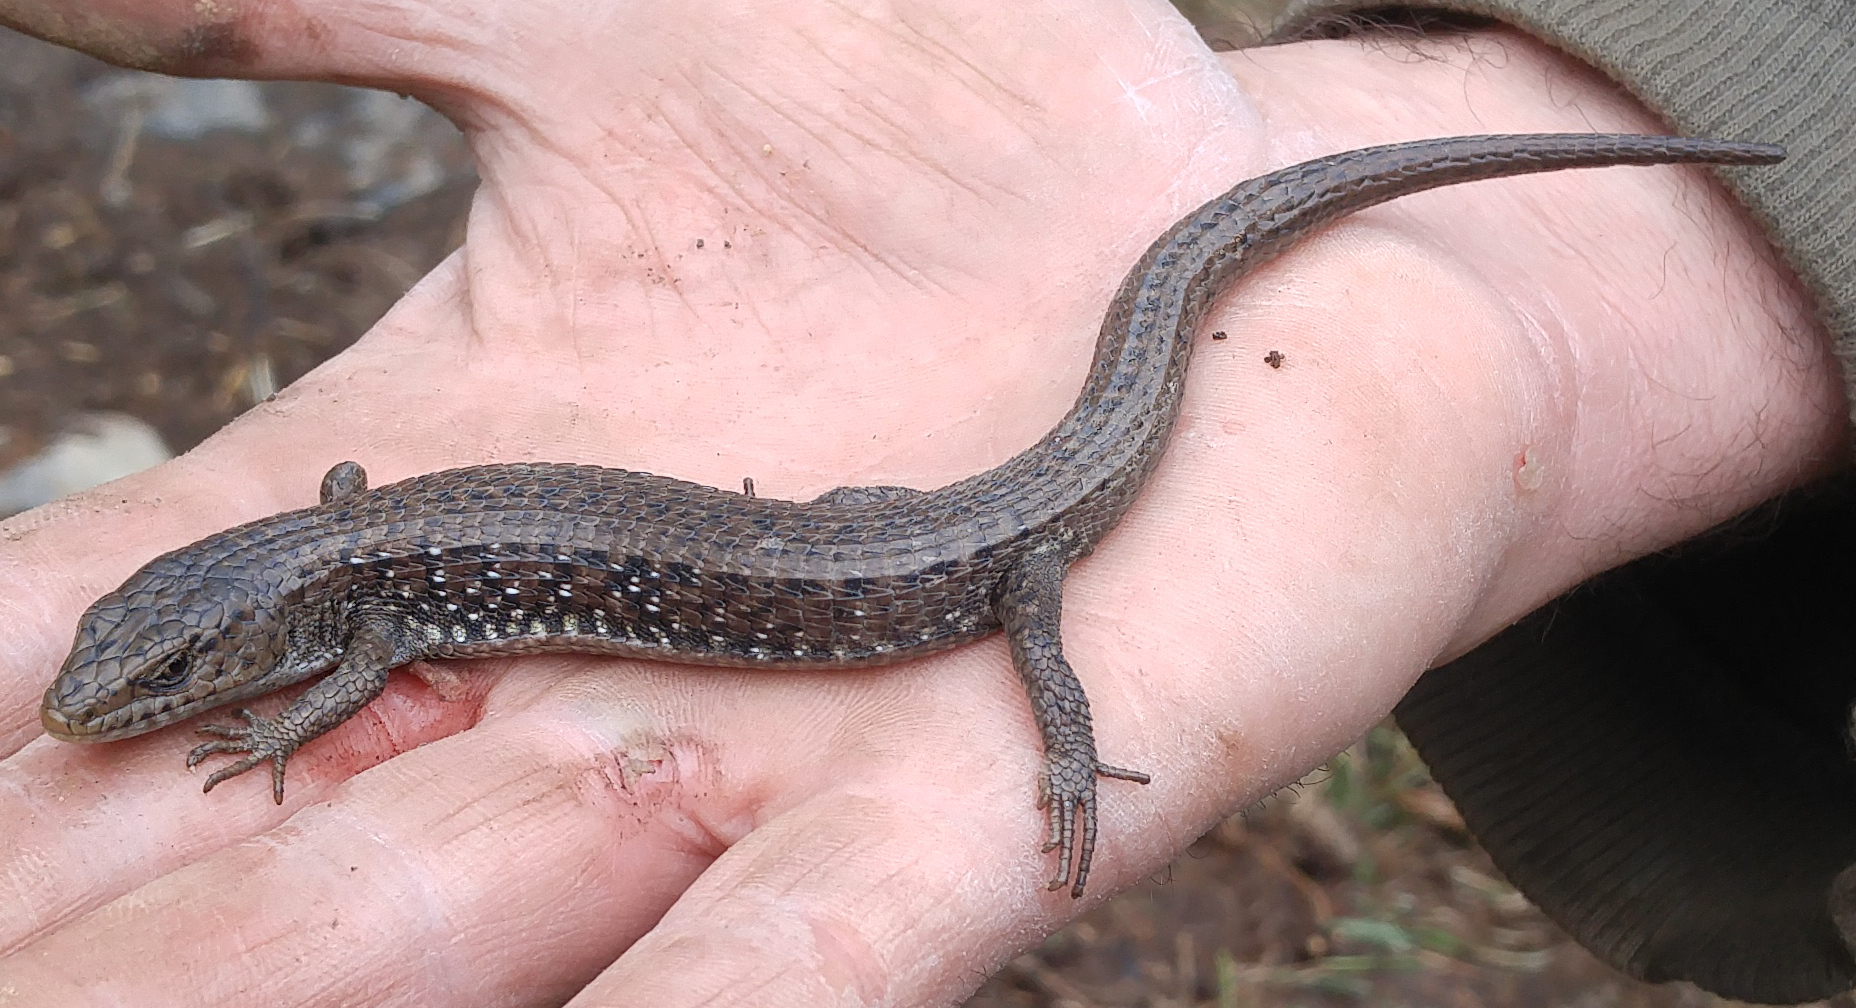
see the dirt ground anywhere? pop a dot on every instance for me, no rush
(176, 251)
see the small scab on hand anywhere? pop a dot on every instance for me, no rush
(1529, 470)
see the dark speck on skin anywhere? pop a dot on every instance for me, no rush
(1274, 358)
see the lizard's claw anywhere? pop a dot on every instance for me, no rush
(262, 738)
(1067, 789)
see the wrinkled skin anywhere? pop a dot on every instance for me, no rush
(925, 208)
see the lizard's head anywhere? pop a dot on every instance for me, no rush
(166, 645)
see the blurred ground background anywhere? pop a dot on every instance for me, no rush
(173, 251)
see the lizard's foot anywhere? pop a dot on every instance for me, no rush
(263, 738)
(1067, 789)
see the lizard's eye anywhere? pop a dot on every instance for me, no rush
(171, 678)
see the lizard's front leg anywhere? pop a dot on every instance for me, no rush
(376, 648)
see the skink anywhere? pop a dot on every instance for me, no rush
(524, 558)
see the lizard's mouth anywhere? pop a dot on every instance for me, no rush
(76, 719)
(58, 726)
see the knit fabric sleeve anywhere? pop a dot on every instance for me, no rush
(1778, 71)
(1662, 758)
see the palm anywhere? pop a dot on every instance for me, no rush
(871, 229)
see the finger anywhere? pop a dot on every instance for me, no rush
(168, 36)
(86, 824)
(506, 864)
(516, 860)
(903, 873)
(307, 39)
(886, 894)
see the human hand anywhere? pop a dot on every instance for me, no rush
(904, 213)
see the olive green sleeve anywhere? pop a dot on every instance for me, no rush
(1662, 759)
(1780, 71)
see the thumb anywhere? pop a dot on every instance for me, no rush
(289, 39)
